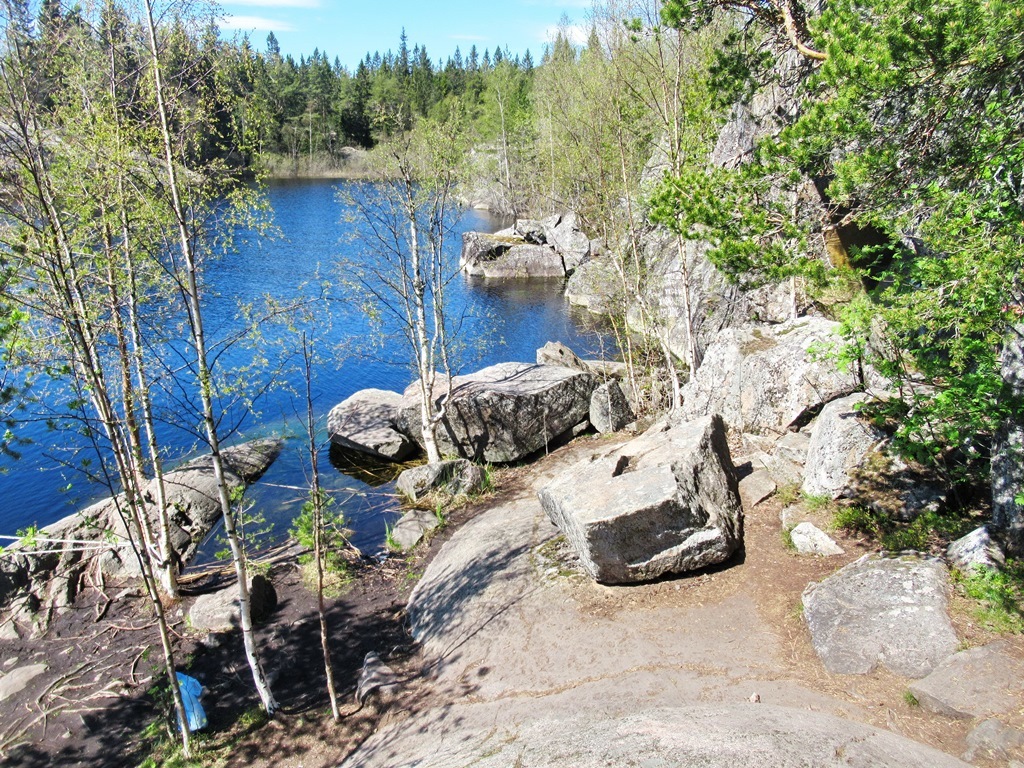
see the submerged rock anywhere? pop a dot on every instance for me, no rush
(505, 412)
(666, 502)
(365, 422)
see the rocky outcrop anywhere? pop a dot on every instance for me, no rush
(505, 412)
(365, 422)
(841, 442)
(666, 502)
(456, 476)
(38, 579)
(552, 247)
(888, 611)
(766, 379)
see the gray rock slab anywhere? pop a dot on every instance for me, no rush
(219, 611)
(609, 409)
(888, 611)
(840, 445)
(18, 679)
(375, 676)
(505, 412)
(811, 540)
(454, 476)
(975, 550)
(756, 487)
(412, 527)
(666, 502)
(710, 736)
(978, 682)
(993, 740)
(365, 422)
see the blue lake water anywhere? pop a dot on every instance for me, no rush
(505, 321)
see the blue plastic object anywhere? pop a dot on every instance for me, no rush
(191, 690)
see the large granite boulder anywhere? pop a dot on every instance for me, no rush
(47, 576)
(764, 379)
(975, 550)
(888, 611)
(505, 412)
(840, 444)
(595, 285)
(666, 502)
(551, 247)
(365, 422)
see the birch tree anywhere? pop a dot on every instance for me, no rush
(406, 219)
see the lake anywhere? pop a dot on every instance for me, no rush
(510, 319)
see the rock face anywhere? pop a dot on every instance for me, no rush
(765, 379)
(455, 477)
(1008, 453)
(552, 247)
(609, 408)
(840, 444)
(666, 502)
(505, 412)
(978, 682)
(888, 611)
(40, 583)
(365, 422)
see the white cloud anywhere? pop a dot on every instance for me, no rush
(275, 3)
(577, 34)
(255, 24)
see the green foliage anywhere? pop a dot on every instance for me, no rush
(856, 520)
(910, 699)
(334, 536)
(999, 594)
(929, 531)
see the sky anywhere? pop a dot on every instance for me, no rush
(349, 29)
